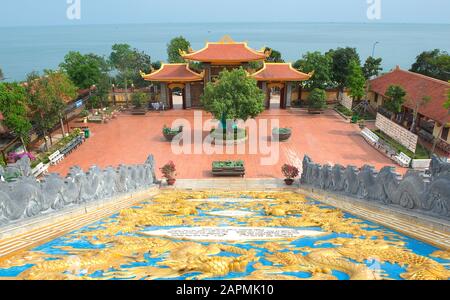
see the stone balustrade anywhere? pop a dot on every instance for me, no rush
(26, 197)
(416, 191)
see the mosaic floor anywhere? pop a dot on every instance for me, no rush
(225, 235)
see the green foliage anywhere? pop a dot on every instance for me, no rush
(139, 99)
(318, 63)
(254, 65)
(372, 67)
(275, 56)
(174, 47)
(317, 99)
(342, 57)
(233, 96)
(128, 62)
(396, 97)
(13, 105)
(156, 65)
(356, 81)
(84, 70)
(170, 131)
(435, 63)
(2, 77)
(48, 95)
(421, 151)
(228, 164)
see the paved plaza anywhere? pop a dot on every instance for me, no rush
(327, 138)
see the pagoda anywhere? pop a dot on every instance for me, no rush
(214, 58)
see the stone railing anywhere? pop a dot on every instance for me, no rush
(418, 192)
(27, 197)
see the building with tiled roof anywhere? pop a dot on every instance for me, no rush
(432, 115)
(215, 57)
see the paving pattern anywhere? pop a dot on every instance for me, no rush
(130, 139)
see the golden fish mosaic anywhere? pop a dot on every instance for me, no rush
(226, 235)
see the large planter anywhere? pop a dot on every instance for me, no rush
(281, 134)
(289, 181)
(170, 134)
(238, 137)
(228, 168)
(315, 111)
(139, 112)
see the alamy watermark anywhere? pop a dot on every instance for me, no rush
(253, 138)
(374, 9)
(73, 11)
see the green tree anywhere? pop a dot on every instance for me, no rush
(275, 56)
(85, 70)
(234, 96)
(13, 105)
(318, 63)
(317, 99)
(372, 67)
(395, 98)
(356, 81)
(139, 99)
(48, 95)
(342, 57)
(435, 63)
(174, 47)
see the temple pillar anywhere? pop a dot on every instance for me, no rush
(188, 99)
(288, 96)
(266, 94)
(207, 73)
(283, 97)
(163, 93)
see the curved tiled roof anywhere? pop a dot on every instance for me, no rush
(173, 73)
(225, 51)
(417, 86)
(280, 72)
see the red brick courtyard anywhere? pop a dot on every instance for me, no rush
(130, 139)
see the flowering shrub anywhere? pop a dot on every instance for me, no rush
(169, 170)
(14, 157)
(290, 172)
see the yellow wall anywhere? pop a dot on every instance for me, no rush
(438, 131)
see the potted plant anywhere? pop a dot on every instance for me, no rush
(168, 171)
(290, 173)
(139, 100)
(170, 133)
(317, 100)
(281, 134)
(362, 123)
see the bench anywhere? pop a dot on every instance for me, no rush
(39, 170)
(370, 136)
(403, 159)
(56, 157)
(74, 144)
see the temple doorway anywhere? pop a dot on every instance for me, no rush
(177, 98)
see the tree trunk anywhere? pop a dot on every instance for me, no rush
(62, 127)
(23, 144)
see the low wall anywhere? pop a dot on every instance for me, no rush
(397, 132)
(28, 197)
(415, 192)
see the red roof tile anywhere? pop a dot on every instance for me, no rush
(280, 72)
(417, 87)
(225, 52)
(173, 73)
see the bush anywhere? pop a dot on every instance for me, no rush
(317, 99)
(290, 172)
(169, 170)
(139, 100)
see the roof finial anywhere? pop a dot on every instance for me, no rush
(226, 39)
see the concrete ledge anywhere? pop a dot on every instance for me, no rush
(27, 225)
(409, 219)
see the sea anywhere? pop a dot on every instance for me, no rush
(27, 49)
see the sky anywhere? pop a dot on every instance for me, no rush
(54, 12)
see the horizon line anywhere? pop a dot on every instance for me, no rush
(225, 22)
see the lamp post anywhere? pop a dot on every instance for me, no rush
(373, 49)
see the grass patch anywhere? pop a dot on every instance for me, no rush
(421, 151)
